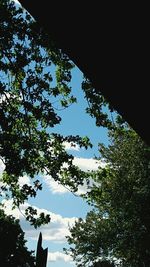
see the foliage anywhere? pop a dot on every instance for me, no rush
(13, 252)
(118, 227)
(98, 106)
(34, 85)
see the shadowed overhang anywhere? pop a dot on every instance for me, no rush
(109, 45)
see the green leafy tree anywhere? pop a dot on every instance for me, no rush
(13, 251)
(34, 85)
(118, 227)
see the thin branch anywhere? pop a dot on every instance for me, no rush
(69, 190)
(21, 212)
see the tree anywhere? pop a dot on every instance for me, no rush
(13, 252)
(118, 227)
(34, 85)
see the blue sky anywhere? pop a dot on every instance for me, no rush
(63, 206)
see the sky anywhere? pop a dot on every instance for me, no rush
(54, 199)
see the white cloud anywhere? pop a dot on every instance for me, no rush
(15, 212)
(24, 180)
(59, 256)
(55, 231)
(84, 164)
(71, 146)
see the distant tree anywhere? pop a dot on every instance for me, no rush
(118, 227)
(13, 252)
(34, 85)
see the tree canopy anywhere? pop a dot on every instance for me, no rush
(13, 252)
(118, 227)
(34, 85)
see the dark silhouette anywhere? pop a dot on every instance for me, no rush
(13, 250)
(41, 254)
